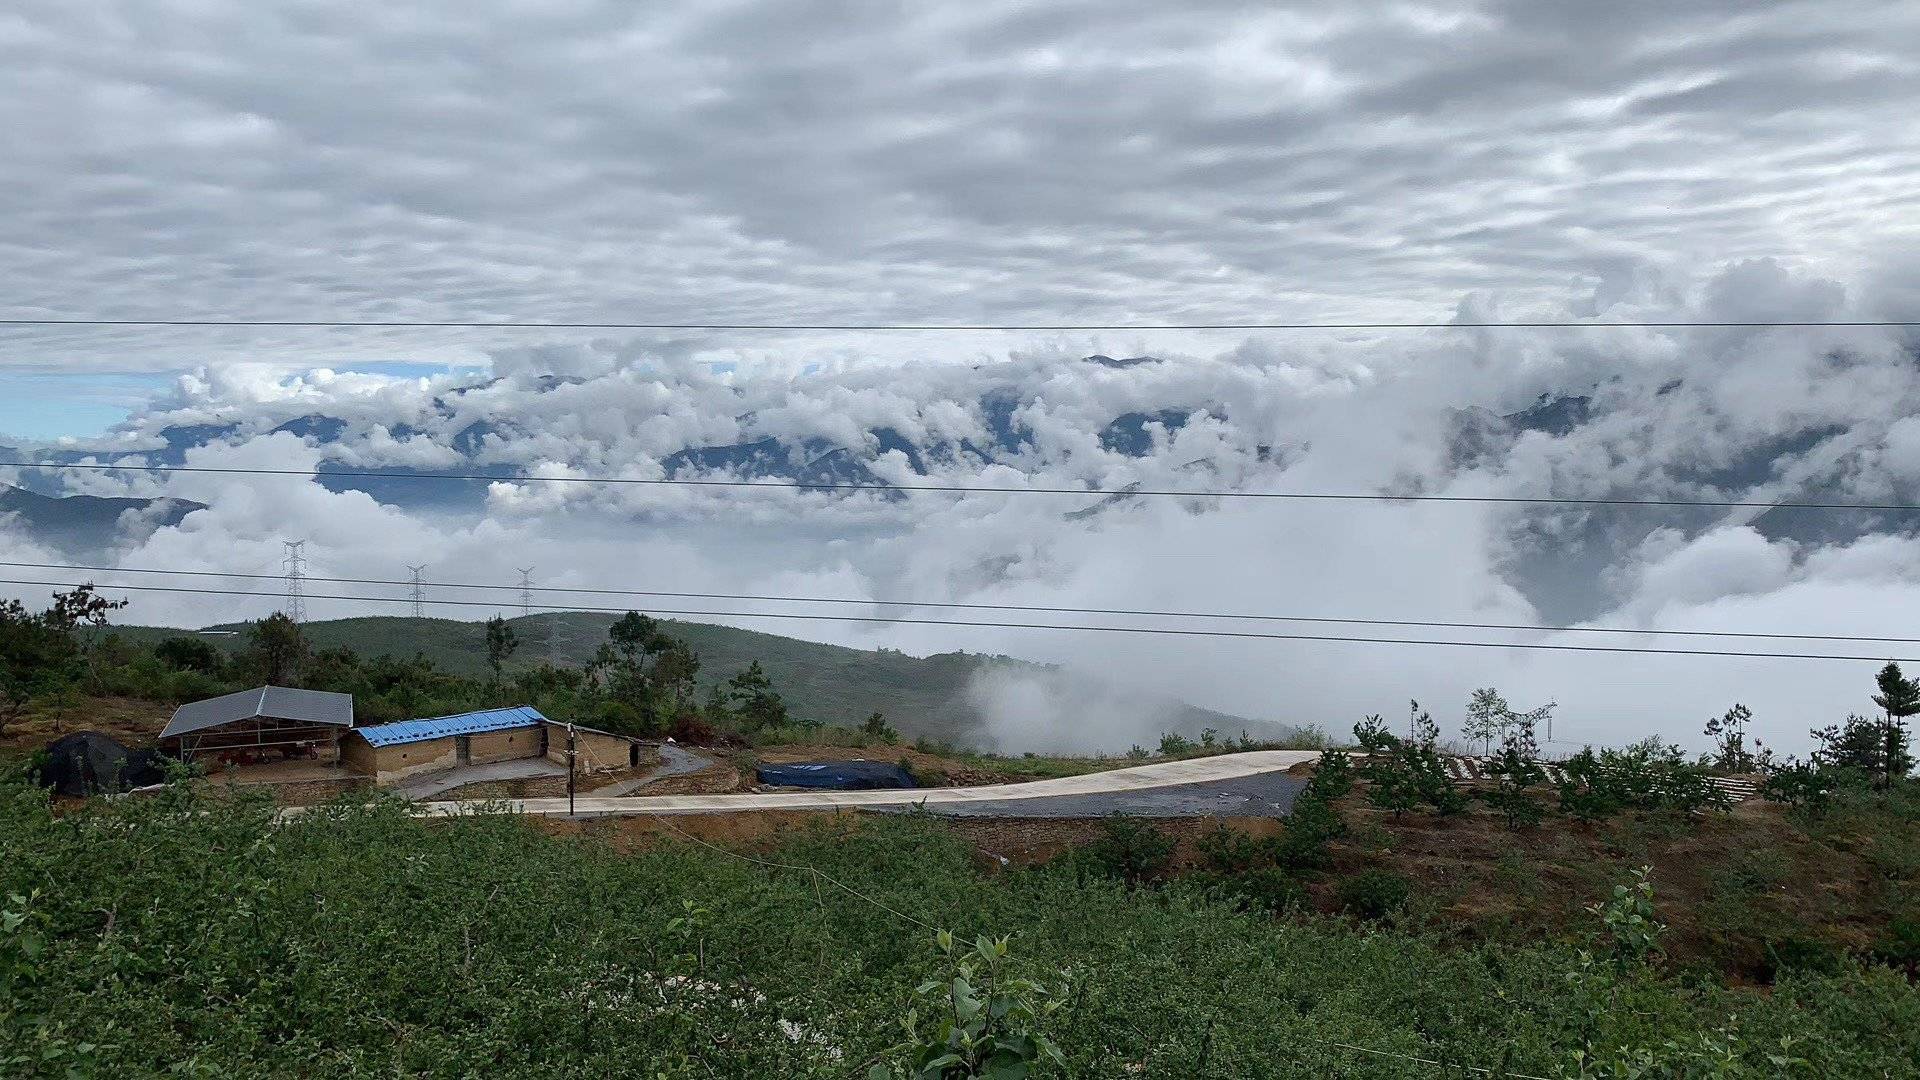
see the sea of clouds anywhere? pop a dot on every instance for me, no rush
(1728, 413)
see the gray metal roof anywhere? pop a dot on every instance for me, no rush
(271, 702)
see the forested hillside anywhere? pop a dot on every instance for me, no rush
(921, 696)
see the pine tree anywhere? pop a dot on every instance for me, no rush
(1899, 698)
(501, 642)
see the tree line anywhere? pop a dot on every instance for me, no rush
(641, 680)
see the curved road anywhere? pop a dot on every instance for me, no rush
(1226, 783)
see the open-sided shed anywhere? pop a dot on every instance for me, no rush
(252, 724)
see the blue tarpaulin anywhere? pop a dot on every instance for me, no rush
(838, 775)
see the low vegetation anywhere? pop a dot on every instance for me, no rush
(357, 941)
(1613, 914)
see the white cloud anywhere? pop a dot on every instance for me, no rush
(998, 162)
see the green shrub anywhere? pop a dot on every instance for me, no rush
(1311, 825)
(1514, 775)
(1173, 744)
(1264, 890)
(1373, 894)
(1402, 774)
(1333, 775)
(1801, 785)
(1900, 948)
(981, 1019)
(1627, 916)
(1231, 851)
(1804, 954)
(1130, 849)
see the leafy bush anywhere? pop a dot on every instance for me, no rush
(1231, 851)
(1514, 775)
(1373, 894)
(981, 1019)
(1263, 889)
(1804, 954)
(1801, 785)
(1645, 776)
(1876, 748)
(1900, 948)
(1586, 794)
(1173, 744)
(876, 727)
(1628, 919)
(1403, 774)
(1333, 775)
(1310, 827)
(1130, 849)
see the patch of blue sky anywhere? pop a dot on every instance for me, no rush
(407, 369)
(41, 406)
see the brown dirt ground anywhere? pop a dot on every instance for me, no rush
(133, 722)
(1724, 883)
(1019, 842)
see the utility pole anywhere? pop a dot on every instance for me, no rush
(295, 563)
(419, 593)
(571, 753)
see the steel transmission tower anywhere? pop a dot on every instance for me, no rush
(526, 591)
(295, 563)
(419, 593)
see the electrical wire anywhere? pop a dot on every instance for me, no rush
(1148, 630)
(1038, 608)
(1114, 493)
(508, 324)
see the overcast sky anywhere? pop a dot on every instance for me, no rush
(985, 161)
(991, 162)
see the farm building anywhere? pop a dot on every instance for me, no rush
(595, 751)
(392, 752)
(266, 724)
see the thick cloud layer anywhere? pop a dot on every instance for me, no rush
(1004, 162)
(1759, 416)
(994, 161)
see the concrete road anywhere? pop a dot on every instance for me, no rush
(1103, 788)
(1267, 795)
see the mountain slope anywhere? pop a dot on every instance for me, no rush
(86, 523)
(927, 696)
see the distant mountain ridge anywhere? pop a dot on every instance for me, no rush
(477, 435)
(86, 523)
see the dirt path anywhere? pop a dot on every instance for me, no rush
(675, 760)
(1095, 793)
(439, 783)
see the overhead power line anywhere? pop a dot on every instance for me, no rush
(516, 324)
(526, 591)
(1147, 630)
(980, 489)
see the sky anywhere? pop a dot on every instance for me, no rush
(1121, 163)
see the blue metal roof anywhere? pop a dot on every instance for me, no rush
(439, 727)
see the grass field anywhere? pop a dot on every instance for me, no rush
(180, 937)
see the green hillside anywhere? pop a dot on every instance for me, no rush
(829, 683)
